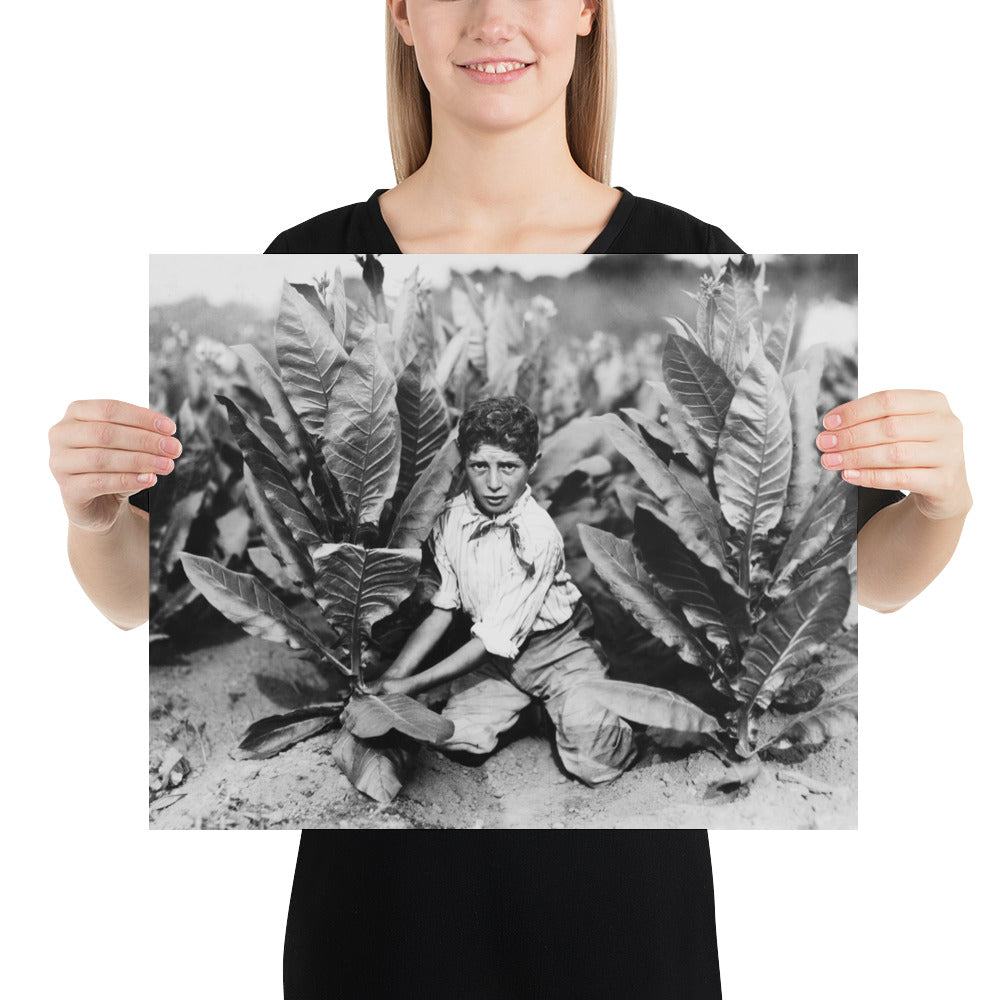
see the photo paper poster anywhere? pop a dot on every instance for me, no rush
(480, 541)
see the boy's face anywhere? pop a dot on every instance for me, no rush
(497, 477)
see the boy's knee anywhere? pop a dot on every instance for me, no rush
(471, 738)
(594, 743)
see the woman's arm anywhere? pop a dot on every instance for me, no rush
(901, 439)
(901, 550)
(112, 567)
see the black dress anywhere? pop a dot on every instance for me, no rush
(503, 914)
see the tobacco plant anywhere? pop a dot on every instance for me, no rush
(738, 560)
(344, 477)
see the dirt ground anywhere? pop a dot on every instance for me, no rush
(202, 700)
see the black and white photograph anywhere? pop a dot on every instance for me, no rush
(519, 541)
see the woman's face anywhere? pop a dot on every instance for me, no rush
(494, 63)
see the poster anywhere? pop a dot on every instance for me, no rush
(675, 572)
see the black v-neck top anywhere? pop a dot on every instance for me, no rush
(637, 225)
(502, 914)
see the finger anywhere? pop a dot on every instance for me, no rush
(107, 460)
(87, 485)
(88, 434)
(916, 480)
(910, 427)
(882, 404)
(116, 411)
(898, 455)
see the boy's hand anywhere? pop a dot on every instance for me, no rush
(900, 439)
(392, 685)
(99, 450)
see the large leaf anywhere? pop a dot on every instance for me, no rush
(274, 733)
(281, 544)
(361, 439)
(802, 390)
(816, 532)
(406, 319)
(263, 378)
(689, 508)
(451, 359)
(700, 385)
(503, 331)
(615, 563)
(423, 419)
(777, 341)
(705, 598)
(505, 381)
(807, 619)
(248, 603)
(649, 706)
(357, 587)
(841, 541)
(467, 314)
(311, 294)
(376, 771)
(310, 357)
(565, 448)
(738, 314)
(659, 436)
(370, 715)
(754, 457)
(273, 473)
(836, 717)
(680, 428)
(338, 305)
(326, 504)
(425, 501)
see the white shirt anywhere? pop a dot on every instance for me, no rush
(507, 597)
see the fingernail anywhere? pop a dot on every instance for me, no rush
(832, 420)
(164, 426)
(145, 477)
(832, 461)
(852, 474)
(828, 440)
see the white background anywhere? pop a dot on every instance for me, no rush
(209, 127)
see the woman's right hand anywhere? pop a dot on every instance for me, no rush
(99, 450)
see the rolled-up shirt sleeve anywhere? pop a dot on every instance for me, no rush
(505, 626)
(446, 597)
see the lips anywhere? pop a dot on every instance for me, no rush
(496, 70)
(496, 66)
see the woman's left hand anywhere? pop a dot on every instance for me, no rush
(900, 439)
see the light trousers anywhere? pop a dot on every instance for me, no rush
(594, 743)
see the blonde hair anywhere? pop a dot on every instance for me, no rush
(590, 100)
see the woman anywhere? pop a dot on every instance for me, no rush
(512, 161)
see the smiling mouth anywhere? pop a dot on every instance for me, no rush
(495, 73)
(494, 68)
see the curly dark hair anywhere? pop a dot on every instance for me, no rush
(504, 421)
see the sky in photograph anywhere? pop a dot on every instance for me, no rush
(256, 278)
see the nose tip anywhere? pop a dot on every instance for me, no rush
(492, 25)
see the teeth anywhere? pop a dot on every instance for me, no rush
(496, 67)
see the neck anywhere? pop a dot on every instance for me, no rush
(516, 173)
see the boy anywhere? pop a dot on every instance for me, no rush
(501, 560)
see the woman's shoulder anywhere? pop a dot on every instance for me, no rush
(654, 227)
(355, 228)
